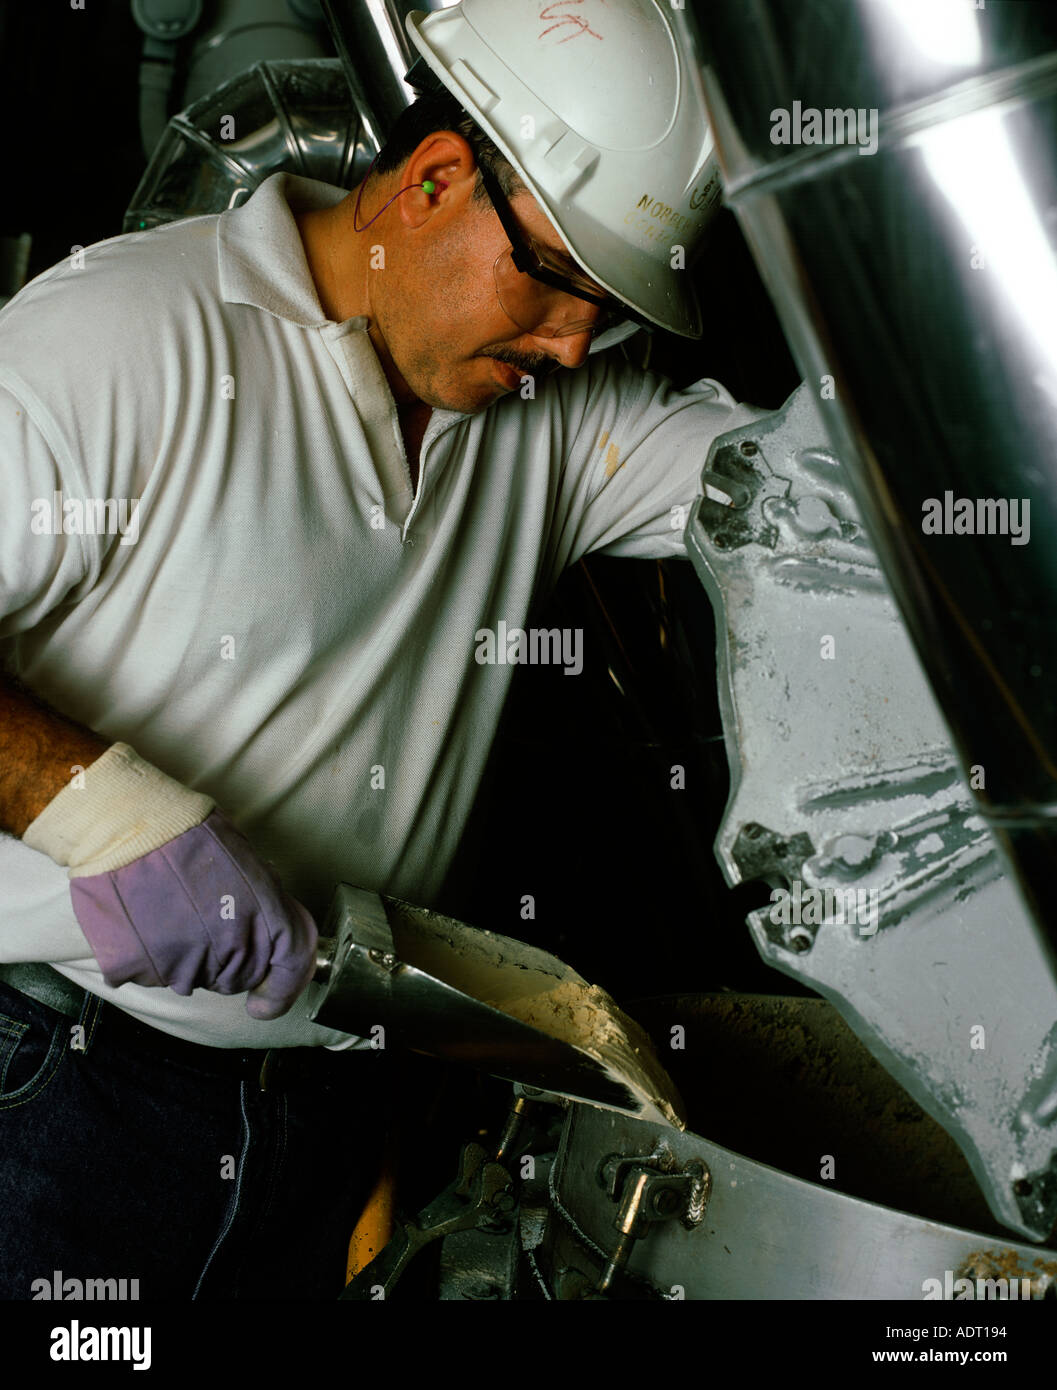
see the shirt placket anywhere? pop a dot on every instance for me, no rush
(363, 376)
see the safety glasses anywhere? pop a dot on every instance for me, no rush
(538, 297)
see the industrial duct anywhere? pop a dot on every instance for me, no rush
(893, 164)
(320, 117)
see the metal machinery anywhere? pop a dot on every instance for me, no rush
(888, 695)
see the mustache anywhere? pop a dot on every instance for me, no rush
(532, 364)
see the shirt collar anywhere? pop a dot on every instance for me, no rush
(261, 256)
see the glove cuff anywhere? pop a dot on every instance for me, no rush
(125, 808)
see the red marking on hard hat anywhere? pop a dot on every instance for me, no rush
(555, 12)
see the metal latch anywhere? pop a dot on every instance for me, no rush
(651, 1188)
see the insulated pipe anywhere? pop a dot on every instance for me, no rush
(893, 165)
(293, 115)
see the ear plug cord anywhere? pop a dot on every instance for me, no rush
(428, 185)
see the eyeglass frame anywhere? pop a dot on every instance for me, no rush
(530, 263)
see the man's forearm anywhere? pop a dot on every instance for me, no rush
(40, 752)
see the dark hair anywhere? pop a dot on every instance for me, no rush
(440, 111)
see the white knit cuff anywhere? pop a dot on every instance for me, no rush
(125, 809)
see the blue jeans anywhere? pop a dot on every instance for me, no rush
(203, 1173)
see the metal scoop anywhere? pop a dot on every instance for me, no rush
(454, 991)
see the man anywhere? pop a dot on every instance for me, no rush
(267, 476)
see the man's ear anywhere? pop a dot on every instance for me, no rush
(446, 160)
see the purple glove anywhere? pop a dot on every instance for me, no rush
(202, 910)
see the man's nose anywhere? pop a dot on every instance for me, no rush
(571, 350)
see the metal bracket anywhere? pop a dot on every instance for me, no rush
(650, 1188)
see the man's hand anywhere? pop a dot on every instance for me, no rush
(166, 890)
(201, 910)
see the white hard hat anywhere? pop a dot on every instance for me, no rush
(601, 113)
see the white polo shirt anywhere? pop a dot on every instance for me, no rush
(285, 624)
